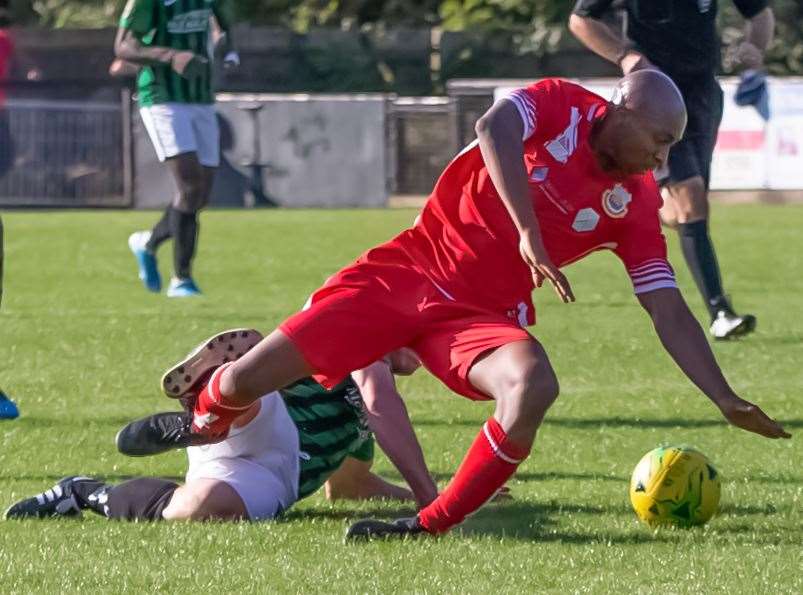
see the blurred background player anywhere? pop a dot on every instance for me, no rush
(282, 448)
(171, 43)
(681, 39)
(8, 409)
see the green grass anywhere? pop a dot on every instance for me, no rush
(82, 347)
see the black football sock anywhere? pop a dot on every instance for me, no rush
(160, 231)
(140, 499)
(87, 492)
(702, 261)
(184, 228)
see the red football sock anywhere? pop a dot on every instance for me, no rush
(213, 415)
(489, 463)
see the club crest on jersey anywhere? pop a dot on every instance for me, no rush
(615, 201)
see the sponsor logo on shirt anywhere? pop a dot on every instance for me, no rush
(194, 21)
(615, 201)
(586, 220)
(562, 146)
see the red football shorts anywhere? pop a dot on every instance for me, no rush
(383, 302)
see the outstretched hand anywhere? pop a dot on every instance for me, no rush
(535, 255)
(747, 416)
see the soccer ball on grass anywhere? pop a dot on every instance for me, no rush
(675, 486)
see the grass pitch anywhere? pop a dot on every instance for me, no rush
(82, 347)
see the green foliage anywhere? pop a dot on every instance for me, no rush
(76, 13)
(535, 27)
(82, 346)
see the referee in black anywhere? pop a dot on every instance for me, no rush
(680, 38)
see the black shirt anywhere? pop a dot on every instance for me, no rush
(678, 36)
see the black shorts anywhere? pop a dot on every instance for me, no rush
(691, 156)
(6, 143)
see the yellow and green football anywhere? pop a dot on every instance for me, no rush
(675, 486)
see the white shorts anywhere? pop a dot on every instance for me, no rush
(260, 460)
(177, 128)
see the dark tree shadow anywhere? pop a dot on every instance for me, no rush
(345, 514)
(546, 476)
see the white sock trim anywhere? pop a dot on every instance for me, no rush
(495, 447)
(215, 395)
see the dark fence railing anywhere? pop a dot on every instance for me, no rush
(63, 153)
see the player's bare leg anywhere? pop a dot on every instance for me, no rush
(274, 363)
(522, 382)
(194, 183)
(179, 222)
(689, 198)
(139, 499)
(203, 500)
(668, 211)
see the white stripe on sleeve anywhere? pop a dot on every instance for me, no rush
(526, 106)
(652, 274)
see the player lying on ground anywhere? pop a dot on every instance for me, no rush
(281, 449)
(557, 173)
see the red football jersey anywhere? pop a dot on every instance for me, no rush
(6, 52)
(465, 240)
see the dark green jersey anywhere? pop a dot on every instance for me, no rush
(176, 24)
(331, 426)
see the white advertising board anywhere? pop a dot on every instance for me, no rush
(750, 154)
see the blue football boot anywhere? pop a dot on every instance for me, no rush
(146, 261)
(182, 288)
(8, 409)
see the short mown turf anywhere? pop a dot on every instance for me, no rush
(82, 347)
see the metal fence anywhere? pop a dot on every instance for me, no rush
(80, 154)
(62, 153)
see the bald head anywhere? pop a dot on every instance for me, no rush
(648, 117)
(652, 95)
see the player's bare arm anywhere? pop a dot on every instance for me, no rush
(388, 419)
(759, 31)
(683, 338)
(127, 47)
(122, 69)
(606, 43)
(223, 35)
(500, 131)
(354, 480)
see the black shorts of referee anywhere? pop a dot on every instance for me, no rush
(692, 155)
